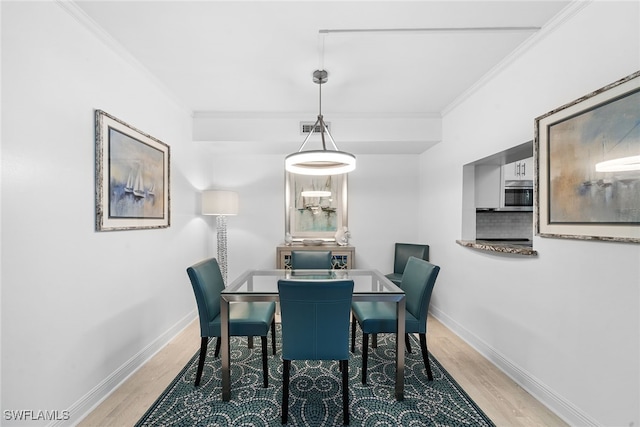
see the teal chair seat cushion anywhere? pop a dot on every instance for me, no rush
(396, 278)
(245, 319)
(380, 317)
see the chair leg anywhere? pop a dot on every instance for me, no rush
(273, 335)
(425, 355)
(218, 342)
(365, 356)
(286, 367)
(265, 367)
(203, 354)
(353, 333)
(345, 390)
(407, 342)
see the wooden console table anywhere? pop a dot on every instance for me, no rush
(343, 257)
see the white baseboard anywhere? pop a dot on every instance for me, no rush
(545, 395)
(100, 392)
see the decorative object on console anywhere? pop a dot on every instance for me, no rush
(288, 239)
(312, 242)
(342, 236)
(588, 157)
(132, 177)
(221, 204)
(325, 161)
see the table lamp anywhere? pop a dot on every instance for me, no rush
(221, 204)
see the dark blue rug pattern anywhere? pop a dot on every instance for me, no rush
(315, 392)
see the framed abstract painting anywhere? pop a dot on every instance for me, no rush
(588, 161)
(132, 177)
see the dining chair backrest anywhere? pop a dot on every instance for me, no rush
(207, 283)
(315, 319)
(417, 283)
(403, 251)
(312, 260)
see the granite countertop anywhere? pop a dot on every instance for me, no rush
(508, 248)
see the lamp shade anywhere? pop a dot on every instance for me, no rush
(216, 202)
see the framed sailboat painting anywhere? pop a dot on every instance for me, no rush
(132, 177)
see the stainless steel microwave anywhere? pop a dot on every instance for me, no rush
(518, 194)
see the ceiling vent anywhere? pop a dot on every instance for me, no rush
(306, 127)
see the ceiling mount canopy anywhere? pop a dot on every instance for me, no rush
(326, 161)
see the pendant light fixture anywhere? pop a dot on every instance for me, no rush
(330, 161)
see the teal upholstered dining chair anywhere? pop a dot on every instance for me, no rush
(245, 318)
(311, 260)
(401, 255)
(315, 326)
(380, 317)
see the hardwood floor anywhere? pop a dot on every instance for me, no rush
(506, 403)
(130, 401)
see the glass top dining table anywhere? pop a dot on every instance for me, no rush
(262, 285)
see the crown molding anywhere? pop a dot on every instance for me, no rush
(564, 15)
(72, 8)
(302, 115)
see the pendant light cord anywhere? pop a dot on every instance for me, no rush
(316, 162)
(320, 118)
(321, 68)
(320, 100)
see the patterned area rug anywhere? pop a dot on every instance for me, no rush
(315, 392)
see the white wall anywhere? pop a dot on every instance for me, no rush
(564, 324)
(80, 308)
(383, 207)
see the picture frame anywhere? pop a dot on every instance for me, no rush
(587, 156)
(132, 177)
(315, 217)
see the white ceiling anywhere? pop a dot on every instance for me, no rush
(249, 59)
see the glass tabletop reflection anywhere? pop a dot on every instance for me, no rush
(266, 281)
(262, 285)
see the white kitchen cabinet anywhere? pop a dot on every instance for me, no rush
(487, 186)
(520, 170)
